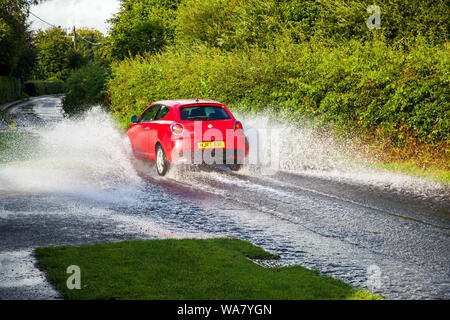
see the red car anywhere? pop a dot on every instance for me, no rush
(188, 131)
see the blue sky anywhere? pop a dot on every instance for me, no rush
(69, 13)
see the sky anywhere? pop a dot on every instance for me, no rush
(68, 13)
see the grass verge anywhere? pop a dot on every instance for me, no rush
(436, 173)
(185, 269)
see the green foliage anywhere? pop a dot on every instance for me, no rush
(362, 86)
(17, 56)
(85, 87)
(140, 26)
(227, 24)
(25, 63)
(88, 43)
(307, 59)
(75, 60)
(191, 269)
(39, 87)
(340, 20)
(58, 60)
(57, 56)
(10, 89)
(13, 35)
(53, 49)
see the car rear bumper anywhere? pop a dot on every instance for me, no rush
(212, 156)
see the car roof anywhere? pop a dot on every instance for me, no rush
(183, 102)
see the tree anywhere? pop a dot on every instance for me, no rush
(56, 54)
(13, 32)
(25, 61)
(227, 24)
(337, 20)
(17, 51)
(88, 42)
(85, 87)
(86, 82)
(53, 54)
(140, 26)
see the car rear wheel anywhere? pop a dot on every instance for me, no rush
(162, 164)
(235, 167)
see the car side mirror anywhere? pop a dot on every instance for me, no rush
(134, 119)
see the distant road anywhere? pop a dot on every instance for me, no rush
(36, 111)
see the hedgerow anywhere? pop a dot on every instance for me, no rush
(314, 60)
(39, 87)
(85, 87)
(10, 89)
(362, 86)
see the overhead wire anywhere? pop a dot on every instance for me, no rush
(44, 20)
(50, 24)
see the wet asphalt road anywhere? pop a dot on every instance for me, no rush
(344, 229)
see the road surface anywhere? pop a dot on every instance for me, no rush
(79, 187)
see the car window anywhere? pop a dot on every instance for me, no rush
(163, 111)
(149, 114)
(204, 113)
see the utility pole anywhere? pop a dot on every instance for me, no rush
(74, 39)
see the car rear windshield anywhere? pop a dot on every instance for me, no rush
(204, 113)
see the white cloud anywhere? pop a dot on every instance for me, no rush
(69, 13)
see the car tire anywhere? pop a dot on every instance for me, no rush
(235, 167)
(162, 164)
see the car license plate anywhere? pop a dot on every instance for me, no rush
(211, 145)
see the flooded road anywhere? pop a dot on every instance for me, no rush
(78, 186)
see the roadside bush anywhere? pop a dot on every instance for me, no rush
(363, 86)
(139, 26)
(10, 89)
(230, 24)
(53, 48)
(227, 24)
(39, 88)
(85, 87)
(337, 20)
(312, 60)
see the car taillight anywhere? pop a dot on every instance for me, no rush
(176, 128)
(238, 126)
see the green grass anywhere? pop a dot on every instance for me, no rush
(185, 269)
(434, 173)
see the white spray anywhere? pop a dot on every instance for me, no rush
(73, 154)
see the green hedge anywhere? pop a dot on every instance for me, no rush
(39, 88)
(10, 89)
(85, 87)
(368, 87)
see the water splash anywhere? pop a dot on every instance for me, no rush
(305, 150)
(72, 155)
(78, 155)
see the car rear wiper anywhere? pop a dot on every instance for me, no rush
(198, 118)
